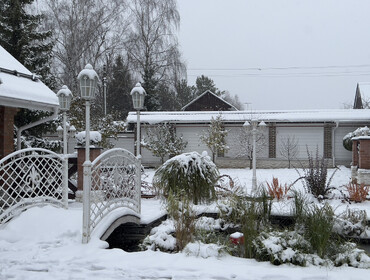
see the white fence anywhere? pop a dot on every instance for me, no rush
(115, 183)
(32, 177)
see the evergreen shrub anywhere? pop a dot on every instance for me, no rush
(189, 174)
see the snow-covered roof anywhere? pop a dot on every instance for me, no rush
(340, 115)
(364, 88)
(20, 88)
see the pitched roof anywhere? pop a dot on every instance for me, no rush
(20, 88)
(212, 95)
(340, 115)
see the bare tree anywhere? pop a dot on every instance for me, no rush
(245, 138)
(85, 31)
(152, 46)
(289, 148)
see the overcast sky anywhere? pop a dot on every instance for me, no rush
(279, 54)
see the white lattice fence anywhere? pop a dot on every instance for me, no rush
(115, 183)
(31, 177)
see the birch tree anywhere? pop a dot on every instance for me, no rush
(152, 46)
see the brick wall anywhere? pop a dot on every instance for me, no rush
(6, 130)
(364, 154)
(328, 141)
(272, 141)
(94, 153)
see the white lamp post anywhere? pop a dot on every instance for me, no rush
(65, 97)
(88, 82)
(138, 96)
(254, 124)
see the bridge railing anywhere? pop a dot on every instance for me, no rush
(31, 177)
(115, 182)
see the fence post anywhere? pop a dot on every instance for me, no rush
(86, 202)
(138, 187)
(65, 181)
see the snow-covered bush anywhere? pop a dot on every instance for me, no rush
(292, 247)
(351, 223)
(189, 174)
(282, 247)
(161, 237)
(347, 139)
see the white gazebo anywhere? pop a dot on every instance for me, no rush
(19, 88)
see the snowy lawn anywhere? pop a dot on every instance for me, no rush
(45, 243)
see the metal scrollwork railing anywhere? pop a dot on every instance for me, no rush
(31, 177)
(115, 183)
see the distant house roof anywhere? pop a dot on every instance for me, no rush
(208, 101)
(362, 91)
(20, 88)
(340, 115)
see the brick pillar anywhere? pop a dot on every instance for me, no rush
(364, 153)
(94, 153)
(363, 173)
(272, 140)
(6, 130)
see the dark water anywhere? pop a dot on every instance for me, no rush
(365, 247)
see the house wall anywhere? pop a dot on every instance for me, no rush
(311, 138)
(308, 135)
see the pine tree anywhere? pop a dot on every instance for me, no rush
(20, 36)
(184, 92)
(118, 93)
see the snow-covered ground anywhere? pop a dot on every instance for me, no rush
(45, 243)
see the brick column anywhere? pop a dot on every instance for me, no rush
(364, 153)
(6, 130)
(94, 153)
(363, 173)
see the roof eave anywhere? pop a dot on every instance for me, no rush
(33, 105)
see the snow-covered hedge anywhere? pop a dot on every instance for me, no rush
(347, 139)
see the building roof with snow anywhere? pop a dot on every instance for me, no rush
(340, 115)
(20, 88)
(208, 101)
(362, 93)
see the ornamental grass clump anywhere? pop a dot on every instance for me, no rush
(319, 224)
(276, 189)
(189, 174)
(357, 192)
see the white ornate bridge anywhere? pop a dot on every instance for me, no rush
(32, 177)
